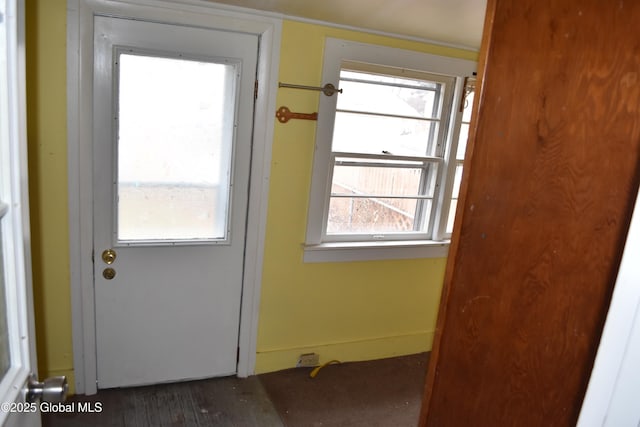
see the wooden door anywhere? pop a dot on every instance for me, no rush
(550, 179)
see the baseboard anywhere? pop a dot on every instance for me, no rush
(270, 360)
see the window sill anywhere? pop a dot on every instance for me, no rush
(370, 251)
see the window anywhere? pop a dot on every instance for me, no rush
(387, 163)
(467, 102)
(387, 149)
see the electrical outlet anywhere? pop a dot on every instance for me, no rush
(308, 360)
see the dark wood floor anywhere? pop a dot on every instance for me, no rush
(384, 393)
(216, 402)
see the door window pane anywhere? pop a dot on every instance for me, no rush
(175, 145)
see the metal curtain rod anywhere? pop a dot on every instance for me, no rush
(327, 89)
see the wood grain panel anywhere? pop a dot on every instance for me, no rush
(549, 182)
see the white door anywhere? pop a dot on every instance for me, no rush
(17, 355)
(173, 110)
(612, 396)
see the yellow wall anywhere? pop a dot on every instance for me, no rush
(346, 311)
(47, 136)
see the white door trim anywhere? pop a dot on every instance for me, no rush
(80, 15)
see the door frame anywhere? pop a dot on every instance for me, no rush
(80, 15)
(18, 269)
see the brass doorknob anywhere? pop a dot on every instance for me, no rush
(109, 256)
(108, 273)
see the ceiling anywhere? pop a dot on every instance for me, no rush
(456, 22)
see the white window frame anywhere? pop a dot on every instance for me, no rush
(317, 247)
(443, 219)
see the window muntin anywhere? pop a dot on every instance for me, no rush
(386, 114)
(388, 146)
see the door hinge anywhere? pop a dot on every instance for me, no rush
(255, 90)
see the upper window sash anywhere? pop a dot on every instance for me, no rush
(422, 105)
